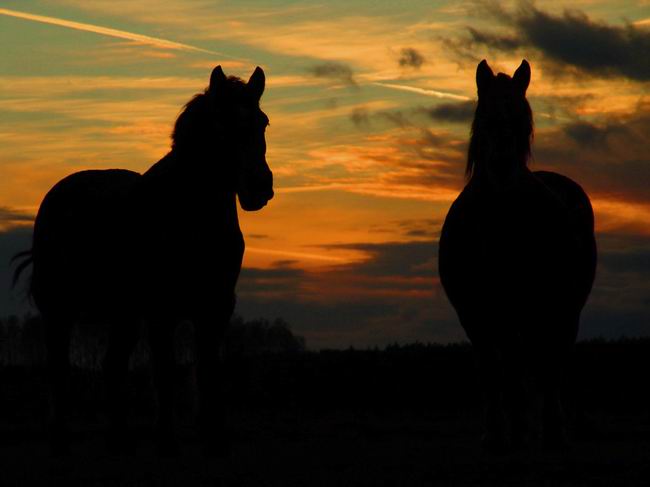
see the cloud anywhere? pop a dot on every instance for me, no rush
(360, 117)
(12, 217)
(461, 112)
(395, 296)
(300, 255)
(608, 156)
(619, 304)
(456, 112)
(410, 57)
(336, 71)
(395, 117)
(501, 42)
(595, 47)
(392, 295)
(571, 39)
(12, 241)
(591, 135)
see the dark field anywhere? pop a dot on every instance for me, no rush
(400, 416)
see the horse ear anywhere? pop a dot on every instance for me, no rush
(217, 80)
(256, 83)
(484, 77)
(521, 78)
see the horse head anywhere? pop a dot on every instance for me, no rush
(503, 124)
(243, 125)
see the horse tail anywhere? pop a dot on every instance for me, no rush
(27, 259)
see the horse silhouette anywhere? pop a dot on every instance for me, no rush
(158, 247)
(517, 259)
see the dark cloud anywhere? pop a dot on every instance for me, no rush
(277, 273)
(427, 228)
(395, 295)
(335, 71)
(410, 57)
(11, 217)
(396, 259)
(410, 229)
(360, 117)
(395, 117)
(459, 112)
(392, 296)
(619, 304)
(13, 300)
(589, 134)
(455, 112)
(634, 260)
(571, 39)
(609, 157)
(595, 47)
(497, 41)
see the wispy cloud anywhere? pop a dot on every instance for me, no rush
(298, 255)
(423, 91)
(107, 31)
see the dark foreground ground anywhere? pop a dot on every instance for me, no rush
(404, 416)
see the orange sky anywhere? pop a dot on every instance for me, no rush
(370, 107)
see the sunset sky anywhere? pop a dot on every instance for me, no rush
(370, 105)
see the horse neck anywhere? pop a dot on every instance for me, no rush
(171, 183)
(487, 177)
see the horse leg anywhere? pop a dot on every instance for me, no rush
(495, 438)
(211, 380)
(122, 340)
(490, 373)
(161, 336)
(58, 332)
(553, 418)
(516, 393)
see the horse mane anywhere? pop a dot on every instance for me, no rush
(522, 115)
(198, 114)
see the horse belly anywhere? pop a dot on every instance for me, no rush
(193, 273)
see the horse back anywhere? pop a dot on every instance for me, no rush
(80, 233)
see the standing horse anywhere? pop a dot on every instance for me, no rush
(517, 259)
(158, 247)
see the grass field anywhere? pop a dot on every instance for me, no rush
(402, 416)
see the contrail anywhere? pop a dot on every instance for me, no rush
(422, 91)
(97, 29)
